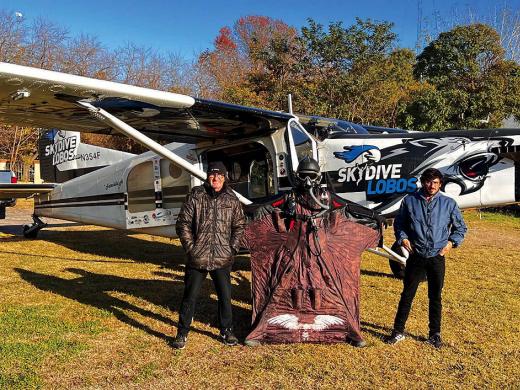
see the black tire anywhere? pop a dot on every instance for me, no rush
(30, 234)
(397, 269)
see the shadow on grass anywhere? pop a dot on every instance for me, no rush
(121, 244)
(97, 290)
(61, 258)
(382, 331)
(117, 244)
(17, 229)
(378, 274)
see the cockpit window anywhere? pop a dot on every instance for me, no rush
(302, 142)
(323, 128)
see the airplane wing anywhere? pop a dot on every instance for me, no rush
(21, 190)
(40, 98)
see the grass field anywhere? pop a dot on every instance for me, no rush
(87, 307)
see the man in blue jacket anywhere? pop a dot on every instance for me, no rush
(428, 225)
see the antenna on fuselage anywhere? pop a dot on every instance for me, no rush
(289, 100)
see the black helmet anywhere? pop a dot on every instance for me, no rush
(308, 173)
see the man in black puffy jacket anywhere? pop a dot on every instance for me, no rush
(210, 225)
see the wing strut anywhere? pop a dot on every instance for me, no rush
(116, 123)
(391, 255)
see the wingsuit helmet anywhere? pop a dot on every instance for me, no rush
(308, 173)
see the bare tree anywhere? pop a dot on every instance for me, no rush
(12, 35)
(178, 74)
(46, 45)
(504, 19)
(17, 142)
(140, 66)
(507, 23)
(85, 56)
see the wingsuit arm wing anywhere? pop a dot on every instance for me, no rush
(363, 215)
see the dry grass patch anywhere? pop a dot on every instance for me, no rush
(87, 307)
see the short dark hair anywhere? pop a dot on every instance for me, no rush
(431, 174)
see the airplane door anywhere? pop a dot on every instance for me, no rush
(156, 190)
(250, 166)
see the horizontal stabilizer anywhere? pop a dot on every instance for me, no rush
(22, 190)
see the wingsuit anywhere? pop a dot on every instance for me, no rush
(305, 262)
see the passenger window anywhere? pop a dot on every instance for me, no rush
(141, 190)
(258, 187)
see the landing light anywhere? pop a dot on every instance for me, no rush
(18, 95)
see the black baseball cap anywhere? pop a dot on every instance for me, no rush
(217, 167)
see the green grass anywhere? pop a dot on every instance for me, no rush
(86, 307)
(30, 334)
(502, 218)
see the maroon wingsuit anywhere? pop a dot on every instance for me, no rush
(305, 280)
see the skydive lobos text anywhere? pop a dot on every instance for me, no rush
(381, 179)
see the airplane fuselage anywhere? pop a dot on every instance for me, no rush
(145, 192)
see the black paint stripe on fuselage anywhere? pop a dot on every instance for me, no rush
(92, 198)
(87, 204)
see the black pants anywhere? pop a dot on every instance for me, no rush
(416, 268)
(193, 279)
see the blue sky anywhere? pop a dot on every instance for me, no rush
(188, 27)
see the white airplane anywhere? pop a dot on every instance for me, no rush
(375, 167)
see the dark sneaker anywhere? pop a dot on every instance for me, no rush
(435, 340)
(357, 343)
(228, 338)
(394, 338)
(179, 342)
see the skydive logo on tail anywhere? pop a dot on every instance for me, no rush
(63, 149)
(380, 179)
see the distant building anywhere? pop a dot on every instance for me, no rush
(28, 173)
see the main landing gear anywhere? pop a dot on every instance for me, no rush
(31, 231)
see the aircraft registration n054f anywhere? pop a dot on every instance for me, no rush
(375, 167)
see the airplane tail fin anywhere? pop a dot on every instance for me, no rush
(63, 156)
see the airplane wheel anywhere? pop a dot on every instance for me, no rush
(29, 234)
(397, 269)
